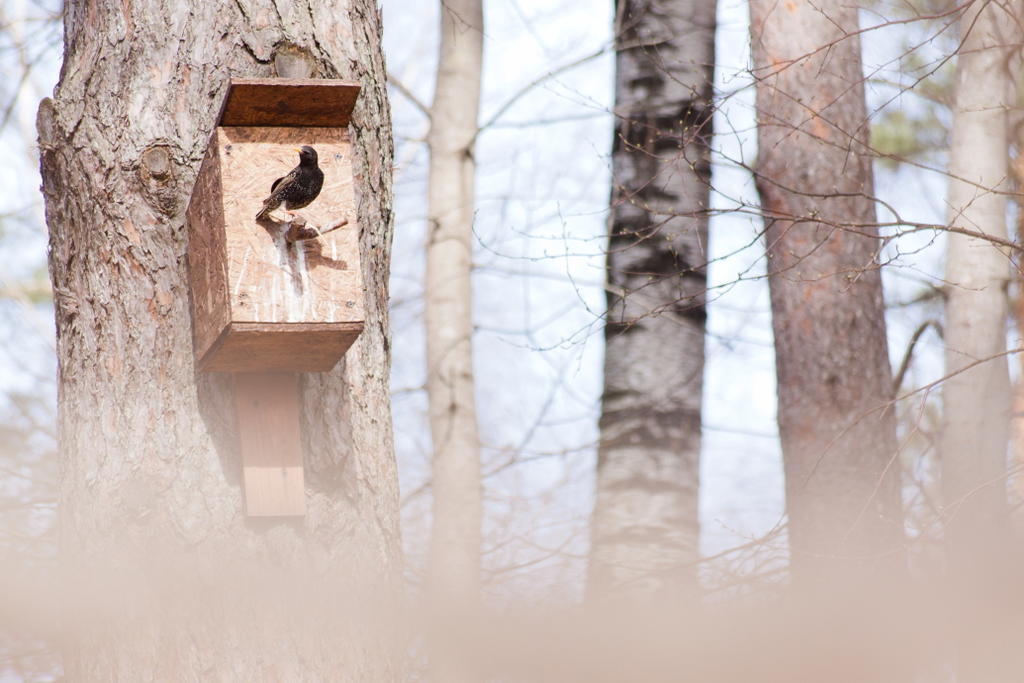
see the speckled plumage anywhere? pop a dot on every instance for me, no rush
(297, 189)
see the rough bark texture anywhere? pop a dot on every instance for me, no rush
(645, 521)
(834, 380)
(151, 507)
(455, 483)
(976, 402)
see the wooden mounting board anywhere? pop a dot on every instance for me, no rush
(309, 102)
(270, 441)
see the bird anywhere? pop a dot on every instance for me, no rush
(297, 189)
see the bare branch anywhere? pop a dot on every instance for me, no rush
(540, 80)
(408, 94)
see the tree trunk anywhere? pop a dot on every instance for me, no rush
(834, 381)
(171, 581)
(976, 402)
(1016, 307)
(645, 520)
(455, 541)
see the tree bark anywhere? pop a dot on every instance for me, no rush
(454, 568)
(645, 520)
(1016, 307)
(815, 180)
(976, 401)
(170, 580)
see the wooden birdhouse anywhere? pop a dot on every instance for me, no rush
(261, 302)
(275, 296)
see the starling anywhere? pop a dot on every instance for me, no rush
(297, 189)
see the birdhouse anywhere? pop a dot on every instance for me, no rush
(265, 295)
(280, 294)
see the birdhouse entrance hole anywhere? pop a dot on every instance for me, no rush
(271, 298)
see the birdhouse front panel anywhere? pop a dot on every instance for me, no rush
(267, 297)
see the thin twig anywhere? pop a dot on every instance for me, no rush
(540, 80)
(301, 232)
(897, 381)
(408, 94)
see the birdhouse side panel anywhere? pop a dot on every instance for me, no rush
(207, 255)
(269, 279)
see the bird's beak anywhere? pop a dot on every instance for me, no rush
(299, 150)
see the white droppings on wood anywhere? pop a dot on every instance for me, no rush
(241, 273)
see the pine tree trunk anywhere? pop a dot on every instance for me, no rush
(455, 483)
(834, 380)
(645, 520)
(170, 578)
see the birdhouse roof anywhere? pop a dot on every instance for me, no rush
(307, 102)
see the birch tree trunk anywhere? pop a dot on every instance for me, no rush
(976, 401)
(834, 381)
(170, 581)
(645, 521)
(1016, 307)
(455, 540)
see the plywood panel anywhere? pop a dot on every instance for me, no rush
(207, 255)
(251, 288)
(298, 347)
(270, 441)
(289, 102)
(270, 280)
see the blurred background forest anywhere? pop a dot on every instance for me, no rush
(540, 238)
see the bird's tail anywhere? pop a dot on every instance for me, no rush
(264, 212)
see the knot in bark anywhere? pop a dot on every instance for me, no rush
(294, 61)
(156, 171)
(157, 162)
